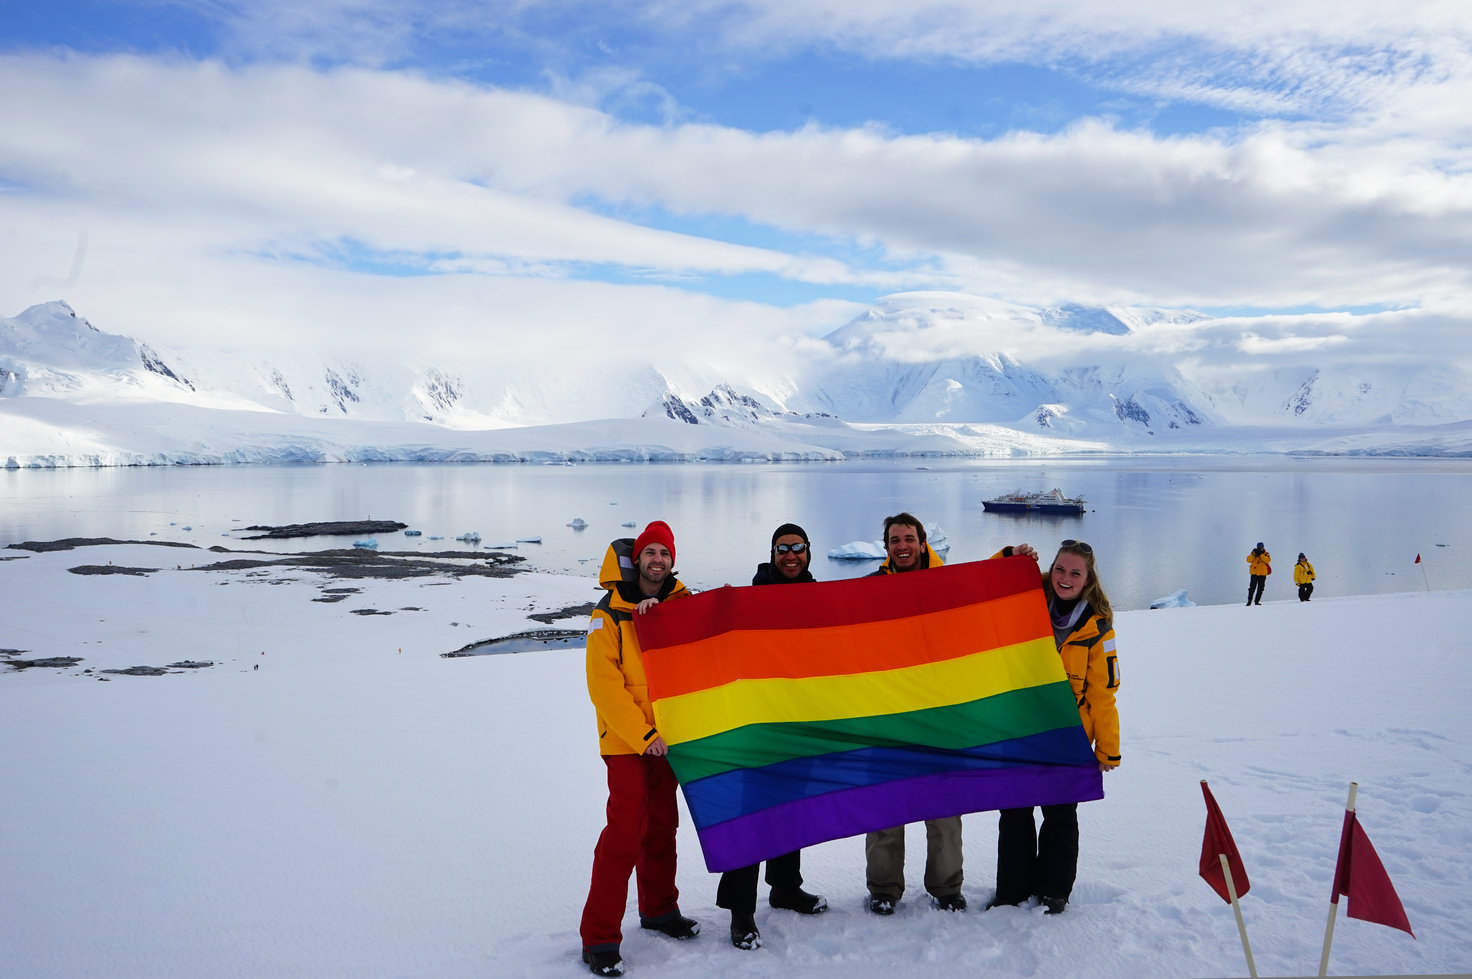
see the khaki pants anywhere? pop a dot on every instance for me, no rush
(885, 852)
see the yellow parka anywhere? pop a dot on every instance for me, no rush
(616, 680)
(1303, 573)
(1260, 563)
(1093, 672)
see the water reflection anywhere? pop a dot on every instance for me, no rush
(1159, 524)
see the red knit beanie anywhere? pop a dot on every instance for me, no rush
(658, 532)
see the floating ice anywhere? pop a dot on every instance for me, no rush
(470, 538)
(414, 533)
(1176, 599)
(578, 523)
(369, 544)
(859, 550)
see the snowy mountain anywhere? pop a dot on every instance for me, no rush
(921, 373)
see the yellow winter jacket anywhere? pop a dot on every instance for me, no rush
(1093, 671)
(616, 680)
(1303, 573)
(1260, 563)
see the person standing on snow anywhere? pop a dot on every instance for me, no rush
(790, 556)
(639, 837)
(1044, 864)
(1259, 566)
(1303, 576)
(884, 851)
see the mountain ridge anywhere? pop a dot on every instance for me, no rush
(922, 373)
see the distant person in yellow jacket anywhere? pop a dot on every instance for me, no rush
(639, 838)
(1259, 566)
(1303, 575)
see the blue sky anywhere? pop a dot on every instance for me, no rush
(219, 170)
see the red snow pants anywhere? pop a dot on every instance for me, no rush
(639, 839)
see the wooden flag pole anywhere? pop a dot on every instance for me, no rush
(1354, 788)
(1237, 910)
(1424, 576)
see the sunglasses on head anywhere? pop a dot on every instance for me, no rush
(1081, 546)
(797, 548)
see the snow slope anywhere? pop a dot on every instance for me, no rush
(334, 798)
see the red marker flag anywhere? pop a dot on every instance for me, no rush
(1418, 558)
(1360, 875)
(1217, 841)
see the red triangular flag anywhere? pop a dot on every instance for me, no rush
(1362, 876)
(1418, 558)
(1218, 840)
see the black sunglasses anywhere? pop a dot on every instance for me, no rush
(797, 548)
(1081, 546)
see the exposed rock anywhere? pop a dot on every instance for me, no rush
(138, 671)
(358, 563)
(191, 664)
(572, 611)
(483, 647)
(73, 542)
(110, 569)
(357, 528)
(55, 662)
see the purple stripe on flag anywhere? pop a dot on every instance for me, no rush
(781, 829)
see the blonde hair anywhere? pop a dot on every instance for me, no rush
(1093, 590)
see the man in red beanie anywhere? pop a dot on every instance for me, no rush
(640, 835)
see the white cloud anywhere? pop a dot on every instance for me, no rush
(239, 190)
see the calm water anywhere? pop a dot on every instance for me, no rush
(1158, 525)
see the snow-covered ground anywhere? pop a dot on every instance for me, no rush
(334, 798)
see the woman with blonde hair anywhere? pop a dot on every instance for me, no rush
(1043, 864)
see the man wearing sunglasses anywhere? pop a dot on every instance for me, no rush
(791, 554)
(906, 549)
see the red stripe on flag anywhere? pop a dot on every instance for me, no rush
(855, 601)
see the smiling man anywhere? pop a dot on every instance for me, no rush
(642, 815)
(884, 851)
(906, 550)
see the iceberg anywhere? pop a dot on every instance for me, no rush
(859, 550)
(1176, 599)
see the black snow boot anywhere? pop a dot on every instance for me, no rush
(605, 963)
(744, 934)
(674, 924)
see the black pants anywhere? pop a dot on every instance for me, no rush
(737, 890)
(1031, 862)
(1254, 588)
(1305, 590)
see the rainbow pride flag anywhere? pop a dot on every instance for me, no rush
(797, 714)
